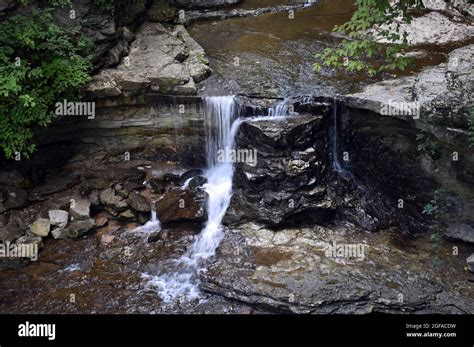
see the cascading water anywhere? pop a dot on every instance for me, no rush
(221, 128)
(336, 163)
(220, 132)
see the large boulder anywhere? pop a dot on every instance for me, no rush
(442, 93)
(12, 197)
(138, 202)
(13, 178)
(283, 182)
(182, 205)
(160, 60)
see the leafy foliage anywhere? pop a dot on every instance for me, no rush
(426, 143)
(40, 64)
(107, 5)
(432, 207)
(373, 19)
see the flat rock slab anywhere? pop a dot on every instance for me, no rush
(443, 93)
(434, 28)
(290, 271)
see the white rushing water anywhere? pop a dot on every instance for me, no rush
(221, 128)
(152, 225)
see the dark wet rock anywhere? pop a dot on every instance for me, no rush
(165, 182)
(161, 11)
(204, 3)
(158, 185)
(7, 4)
(138, 202)
(41, 227)
(182, 205)
(127, 216)
(95, 184)
(220, 14)
(10, 232)
(13, 178)
(283, 183)
(390, 182)
(460, 232)
(143, 217)
(154, 237)
(80, 209)
(78, 228)
(94, 198)
(113, 202)
(124, 189)
(295, 270)
(12, 197)
(197, 182)
(58, 218)
(470, 262)
(53, 185)
(3, 220)
(189, 174)
(22, 218)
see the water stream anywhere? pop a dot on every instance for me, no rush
(222, 124)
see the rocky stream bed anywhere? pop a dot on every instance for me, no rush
(117, 203)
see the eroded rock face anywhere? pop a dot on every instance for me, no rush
(284, 182)
(160, 60)
(335, 270)
(443, 93)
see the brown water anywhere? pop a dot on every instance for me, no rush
(275, 53)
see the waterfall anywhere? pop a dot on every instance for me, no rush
(336, 163)
(221, 128)
(153, 224)
(221, 125)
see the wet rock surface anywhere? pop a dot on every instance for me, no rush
(289, 271)
(103, 277)
(283, 181)
(443, 93)
(99, 199)
(182, 205)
